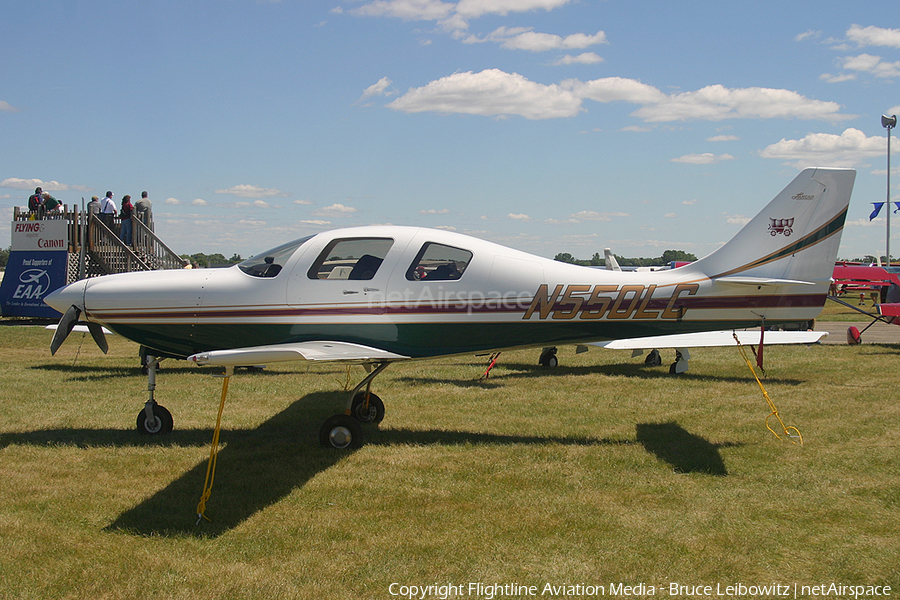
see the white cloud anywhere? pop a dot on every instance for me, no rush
(593, 215)
(7, 107)
(303, 202)
(432, 211)
(518, 217)
(496, 93)
(29, 184)
(826, 149)
(252, 191)
(716, 102)
(477, 8)
(806, 35)
(200, 202)
(316, 222)
(173, 201)
(449, 16)
(585, 58)
(707, 158)
(408, 10)
(829, 78)
(874, 36)
(867, 63)
(335, 210)
(723, 138)
(615, 89)
(261, 204)
(523, 38)
(376, 89)
(490, 93)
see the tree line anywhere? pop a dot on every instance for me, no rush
(598, 261)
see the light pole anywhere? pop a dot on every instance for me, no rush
(888, 123)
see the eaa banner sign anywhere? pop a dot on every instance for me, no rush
(29, 277)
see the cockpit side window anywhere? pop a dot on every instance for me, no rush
(438, 262)
(269, 263)
(351, 258)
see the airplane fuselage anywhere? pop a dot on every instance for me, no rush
(431, 293)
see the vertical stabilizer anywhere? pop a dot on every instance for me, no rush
(795, 237)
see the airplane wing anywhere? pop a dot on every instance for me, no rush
(320, 351)
(79, 329)
(706, 339)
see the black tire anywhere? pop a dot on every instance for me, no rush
(341, 432)
(548, 358)
(161, 423)
(374, 413)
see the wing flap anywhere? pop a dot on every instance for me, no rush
(708, 339)
(318, 351)
(761, 282)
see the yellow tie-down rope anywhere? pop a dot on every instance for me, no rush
(787, 430)
(213, 453)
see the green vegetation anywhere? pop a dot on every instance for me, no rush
(212, 260)
(600, 471)
(598, 261)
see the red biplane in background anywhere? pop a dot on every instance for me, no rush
(881, 283)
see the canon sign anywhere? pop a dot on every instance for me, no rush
(51, 234)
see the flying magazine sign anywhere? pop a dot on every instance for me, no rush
(48, 235)
(29, 277)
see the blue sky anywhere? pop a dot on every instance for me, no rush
(547, 125)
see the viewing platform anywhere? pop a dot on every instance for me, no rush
(49, 251)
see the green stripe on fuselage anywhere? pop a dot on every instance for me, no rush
(417, 340)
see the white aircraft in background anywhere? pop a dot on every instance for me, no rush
(377, 295)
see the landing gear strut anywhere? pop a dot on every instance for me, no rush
(345, 430)
(153, 419)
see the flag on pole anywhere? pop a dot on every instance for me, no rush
(879, 205)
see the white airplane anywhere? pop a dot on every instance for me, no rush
(377, 295)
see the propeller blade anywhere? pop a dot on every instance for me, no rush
(66, 323)
(97, 333)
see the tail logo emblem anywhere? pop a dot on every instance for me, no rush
(777, 226)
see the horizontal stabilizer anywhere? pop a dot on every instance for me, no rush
(342, 352)
(708, 339)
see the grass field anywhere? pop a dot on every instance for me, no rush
(600, 472)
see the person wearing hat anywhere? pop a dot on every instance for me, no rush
(50, 204)
(35, 203)
(108, 210)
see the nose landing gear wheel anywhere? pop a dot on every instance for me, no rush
(341, 432)
(161, 422)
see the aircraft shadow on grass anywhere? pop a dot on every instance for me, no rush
(528, 371)
(259, 467)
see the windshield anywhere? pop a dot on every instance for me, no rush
(270, 262)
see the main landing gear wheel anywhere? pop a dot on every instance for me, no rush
(161, 422)
(373, 413)
(341, 432)
(548, 358)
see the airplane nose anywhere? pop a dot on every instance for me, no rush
(66, 296)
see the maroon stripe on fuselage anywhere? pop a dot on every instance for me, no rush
(449, 308)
